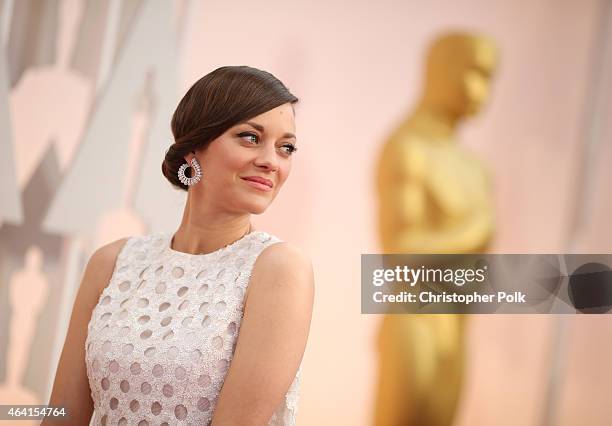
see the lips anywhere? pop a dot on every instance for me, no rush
(259, 179)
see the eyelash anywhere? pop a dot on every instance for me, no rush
(292, 147)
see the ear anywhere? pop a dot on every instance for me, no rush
(189, 156)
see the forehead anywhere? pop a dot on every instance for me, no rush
(279, 119)
(484, 56)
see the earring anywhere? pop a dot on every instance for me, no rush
(197, 173)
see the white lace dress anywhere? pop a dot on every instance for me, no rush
(162, 336)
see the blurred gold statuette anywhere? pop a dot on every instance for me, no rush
(434, 197)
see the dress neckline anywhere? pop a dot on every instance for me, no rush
(168, 246)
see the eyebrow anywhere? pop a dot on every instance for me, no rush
(261, 129)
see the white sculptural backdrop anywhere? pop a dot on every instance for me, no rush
(106, 136)
(87, 91)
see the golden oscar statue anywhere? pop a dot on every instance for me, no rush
(434, 197)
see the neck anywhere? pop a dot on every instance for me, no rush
(434, 121)
(204, 232)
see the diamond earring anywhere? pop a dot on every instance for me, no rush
(197, 173)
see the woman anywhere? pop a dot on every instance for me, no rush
(209, 325)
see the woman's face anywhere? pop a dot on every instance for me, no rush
(261, 147)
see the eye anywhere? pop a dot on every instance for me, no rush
(290, 148)
(254, 137)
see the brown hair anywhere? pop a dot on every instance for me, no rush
(219, 100)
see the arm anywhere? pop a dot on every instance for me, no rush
(272, 337)
(71, 386)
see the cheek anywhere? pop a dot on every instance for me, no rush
(226, 165)
(284, 171)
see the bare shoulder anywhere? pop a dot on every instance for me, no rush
(405, 156)
(284, 258)
(283, 264)
(110, 251)
(98, 273)
(102, 262)
(284, 255)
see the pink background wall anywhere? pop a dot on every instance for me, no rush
(356, 68)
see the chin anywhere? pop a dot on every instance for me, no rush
(256, 208)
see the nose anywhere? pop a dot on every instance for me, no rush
(478, 89)
(267, 157)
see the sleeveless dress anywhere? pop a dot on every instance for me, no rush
(163, 333)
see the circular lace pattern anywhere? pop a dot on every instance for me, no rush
(163, 333)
